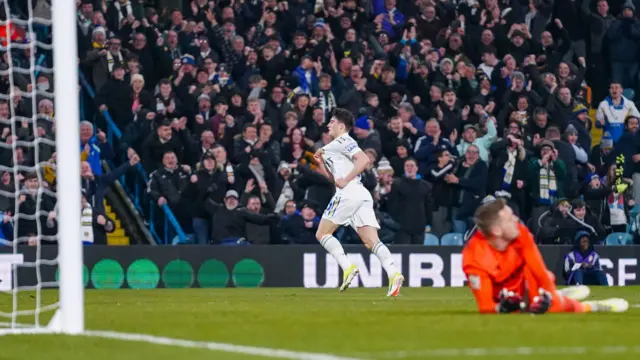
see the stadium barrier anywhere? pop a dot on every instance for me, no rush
(147, 267)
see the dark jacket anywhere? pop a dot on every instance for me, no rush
(471, 188)
(567, 154)
(231, 224)
(294, 230)
(624, 36)
(410, 204)
(170, 184)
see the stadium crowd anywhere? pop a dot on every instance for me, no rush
(226, 101)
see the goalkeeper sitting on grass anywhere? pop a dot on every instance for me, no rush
(507, 274)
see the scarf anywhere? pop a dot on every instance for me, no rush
(548, 185)
(327, 102)
(303, 84)
(111, 61)
(118, 7)
(86, 223)
(615, 202)
(258, 172)
(508, 168)
(285, 195)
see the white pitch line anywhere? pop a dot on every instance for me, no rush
(214, 346)
(516, 351)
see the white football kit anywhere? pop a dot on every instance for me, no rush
(353, 204)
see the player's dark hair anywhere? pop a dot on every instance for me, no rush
(487, 214)
(344, 116)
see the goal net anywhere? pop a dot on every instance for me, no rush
(40, 283)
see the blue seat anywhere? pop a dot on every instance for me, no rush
(452, 239)
(431, 240)
(619, 238)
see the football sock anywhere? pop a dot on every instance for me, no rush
(381, 251)
(333, 246)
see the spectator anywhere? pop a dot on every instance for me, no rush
(582, 264)
(508, 169)
(94, 225)
(410, 205)
(546, 176)
(366, 137)
(618, 202)
(95, 147)
(301, 226)
(211, 183)
(170, 185)
(163, 141)
(595, 195)
(468, 182)
(470, 137)
(623, 35)
(613, 111)
(430, 144)
(231, 221)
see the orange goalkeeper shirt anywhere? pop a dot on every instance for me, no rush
(489, 270)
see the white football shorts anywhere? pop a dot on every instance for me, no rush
(353, 212)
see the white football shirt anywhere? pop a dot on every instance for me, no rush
(338, 159)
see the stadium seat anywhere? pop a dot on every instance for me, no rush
(619, 239)
(452, 239)
(431, 240)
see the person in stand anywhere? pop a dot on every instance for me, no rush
(582, 264)
(410, 205)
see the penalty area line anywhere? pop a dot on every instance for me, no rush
(192, 344)
(515, 351)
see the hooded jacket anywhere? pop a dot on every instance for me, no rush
(576, 256)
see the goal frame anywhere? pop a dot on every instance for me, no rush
(67, 115)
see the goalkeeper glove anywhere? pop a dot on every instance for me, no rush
(509, 301)
(542, 303)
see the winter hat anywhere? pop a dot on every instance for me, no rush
(283, 165)
(471, 126)
(518, 74)
(188, 59)
(384, 165)
(571, 130)
(591, 176)
(445, 60)
(579, 109)
(99, 30)
(363, 123)
(607, 141)
(548, 143)
(318, 24)
(629, 5)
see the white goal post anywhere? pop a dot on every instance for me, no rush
(70, 257)
(69, 307)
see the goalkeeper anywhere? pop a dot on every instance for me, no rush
(506, 272)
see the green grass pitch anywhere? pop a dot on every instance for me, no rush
(360, 323)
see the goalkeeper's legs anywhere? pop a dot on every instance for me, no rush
(568, 300)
